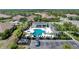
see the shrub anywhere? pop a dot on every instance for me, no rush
(66, 46)
(17, 33)
(14, 46)
(6, 33)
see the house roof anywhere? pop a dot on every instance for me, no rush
(31, 17)
(71, 15)
(4, 15)
(17, 17)
(4, 26)
(45, 15)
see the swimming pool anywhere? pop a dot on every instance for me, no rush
(38, 32)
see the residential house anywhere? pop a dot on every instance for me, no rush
(5, 16)
(17, 17)
(71, 15)
(31, 17)
(4, 26)
(45, 15)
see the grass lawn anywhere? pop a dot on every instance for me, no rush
(6, 20)
(66, 27)
(63, 36)
(67, 46)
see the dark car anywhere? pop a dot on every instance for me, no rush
(37, 43)
(23, 40)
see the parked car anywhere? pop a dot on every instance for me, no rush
(37, 43)
(23, 40)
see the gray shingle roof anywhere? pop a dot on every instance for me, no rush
(4, 26)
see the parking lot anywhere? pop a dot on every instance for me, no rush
(54, 44)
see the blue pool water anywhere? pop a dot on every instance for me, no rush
(38, 32)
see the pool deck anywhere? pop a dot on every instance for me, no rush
(54, 44)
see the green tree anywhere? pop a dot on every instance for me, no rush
(23, 20)
(38, 18)
(17, 33)
(5, 34)
(14, 46)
